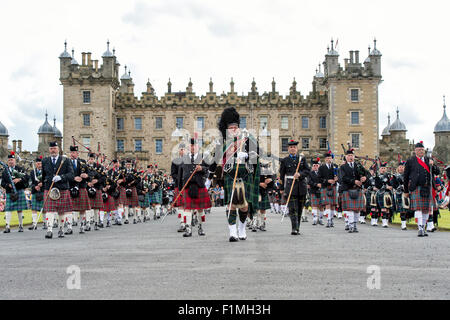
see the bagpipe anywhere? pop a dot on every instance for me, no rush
(75, 190)
(13, 196)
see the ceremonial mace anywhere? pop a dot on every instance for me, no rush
(292, 187)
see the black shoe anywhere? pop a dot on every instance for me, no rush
(100, 225)
(87, 228)
(108, 224)
(420, 233)
(385, 226)
(234, 239)
(347, 228)
(49, 235)
(263, 228)
(69, 231)
(350, 230)
(425, 234)
(294, 232)
(200, 231)
(126, 222)
(74, 224)
(44, 227)
(32, 228)
(355, 230)
(181, 229)
(96, 226)
(134, 221)
(187, 233)
(20, 229)
(60, 234)
(404, 228)
(242, 238)
(254, 229)
(7, 230)
(328, 224)
(119, 223)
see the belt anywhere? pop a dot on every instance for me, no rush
(289, 177)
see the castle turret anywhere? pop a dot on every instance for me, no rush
(442, 138)
(3, 141)
(126, 82)
(331, 61)
(375, 60)
(46, 135)
(65, 60)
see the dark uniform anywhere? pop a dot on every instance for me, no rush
(78, 191)
(405, 213)
(315, 194)
(384, 197)
(328, 192)
(37, 196)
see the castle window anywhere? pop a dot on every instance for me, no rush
(87, 141)
(305, 143)
(284, 144)
(138, 123)
(179, 122)
(200, 122)
(159, 146)
(120, 124)
(138, 145)
(243, 122)
(355, 140)
(158, 122)
(285, 122)
(354, 95)
(305, 122)
(263, 122)
(322, 143)
(86, 97)
(86, 119)
(323, 122)
(355, 117)
(120, 145)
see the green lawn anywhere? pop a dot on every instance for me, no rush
(15, 221)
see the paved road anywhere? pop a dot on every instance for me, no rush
(152, 261)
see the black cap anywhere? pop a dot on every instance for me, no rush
(149, 166)
(73, 148)
(12, 155)
(402, 163)
(115, 161)
(419, 145)
(383, 165)
(292, 143)
(38, 159)
(91, 155)
(350, 151)
(192, 141)
(53, 144)
(327, 154)
(315, 161)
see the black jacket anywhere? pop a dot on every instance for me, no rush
(326, 174)
(49, 171)
(288, 166)
(348, 176)
(34, 182)
(186, 168)
(313, 181)
(415, 175)
(22, 184)
(81, 167)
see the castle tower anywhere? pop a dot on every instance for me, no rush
(397, 129)
(58, 134)
(3, 141)
(442, 138)
(46, 135)
(352, 102)
(88, 100)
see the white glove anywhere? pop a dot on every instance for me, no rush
(56, 178)
(242, 155)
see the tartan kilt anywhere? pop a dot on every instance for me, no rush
(62, 205)
(202, 202)
(315, 200)
(349, 204)
(109, 205)
(133, 200)
(19, 205)
(123, 199)
(326, 200)
(36, 205)
(380, 199)
(251, 186)
(97, 202)
(419, 203)
(82, 202)
(146, 202)
(179, 202)
(264, 202)
(156, 197)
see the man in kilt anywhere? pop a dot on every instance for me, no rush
(351, 181)
(14, 176)
(155, 192)
(109, 203)
(245, 195)
(328, 193)
(315, 184)
(131, 180)
(143, 196)
(178, 204)
(95, 191)
(117, 191)
(383, 185)
(56, 208)
(418, 179)
(288, 176)
(37, 193)
(265, 185)
(78, 192)
(397, 184)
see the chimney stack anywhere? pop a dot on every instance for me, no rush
(14, 145)
(346, 63)
(19, 146)
(351, 57)
(89, 61)
(83, 58)
(96, 65)
(357, 56)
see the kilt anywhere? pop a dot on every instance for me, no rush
(82, 202)
(123, 199)
(97, 202)
(251, 185)
(109, 205)
(19, 205)
(380, 199)
(36, 205)
(399, 203)
(202, 202)
(62, 205)
(264, 203)
(349, 204)
(179, 202)
(133, 200)
(326, 200)
(419, 203)
(315, 200)
(156, 197)
(146, 202)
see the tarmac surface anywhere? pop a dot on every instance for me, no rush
(152, 261)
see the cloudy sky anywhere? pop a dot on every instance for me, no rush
(221, 39)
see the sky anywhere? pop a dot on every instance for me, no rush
(199, 39)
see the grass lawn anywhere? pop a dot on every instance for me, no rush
(444, 220)
(15, 221)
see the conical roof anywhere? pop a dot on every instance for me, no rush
(386, 130)
(3, 130)
(397, 125)
(443, 125)
(46, 128)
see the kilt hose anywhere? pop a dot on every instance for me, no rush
(109, 205)
(349, 204)
(19, 205)
(36, 205)
(156, 197)
(251, 185)
(97, 202)
(327, 200)
(264, 203)
(202, 202)
(179, 202)
(419, 203)
(81, 203)
(315, 200)
(62, 205)
(123, 199)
